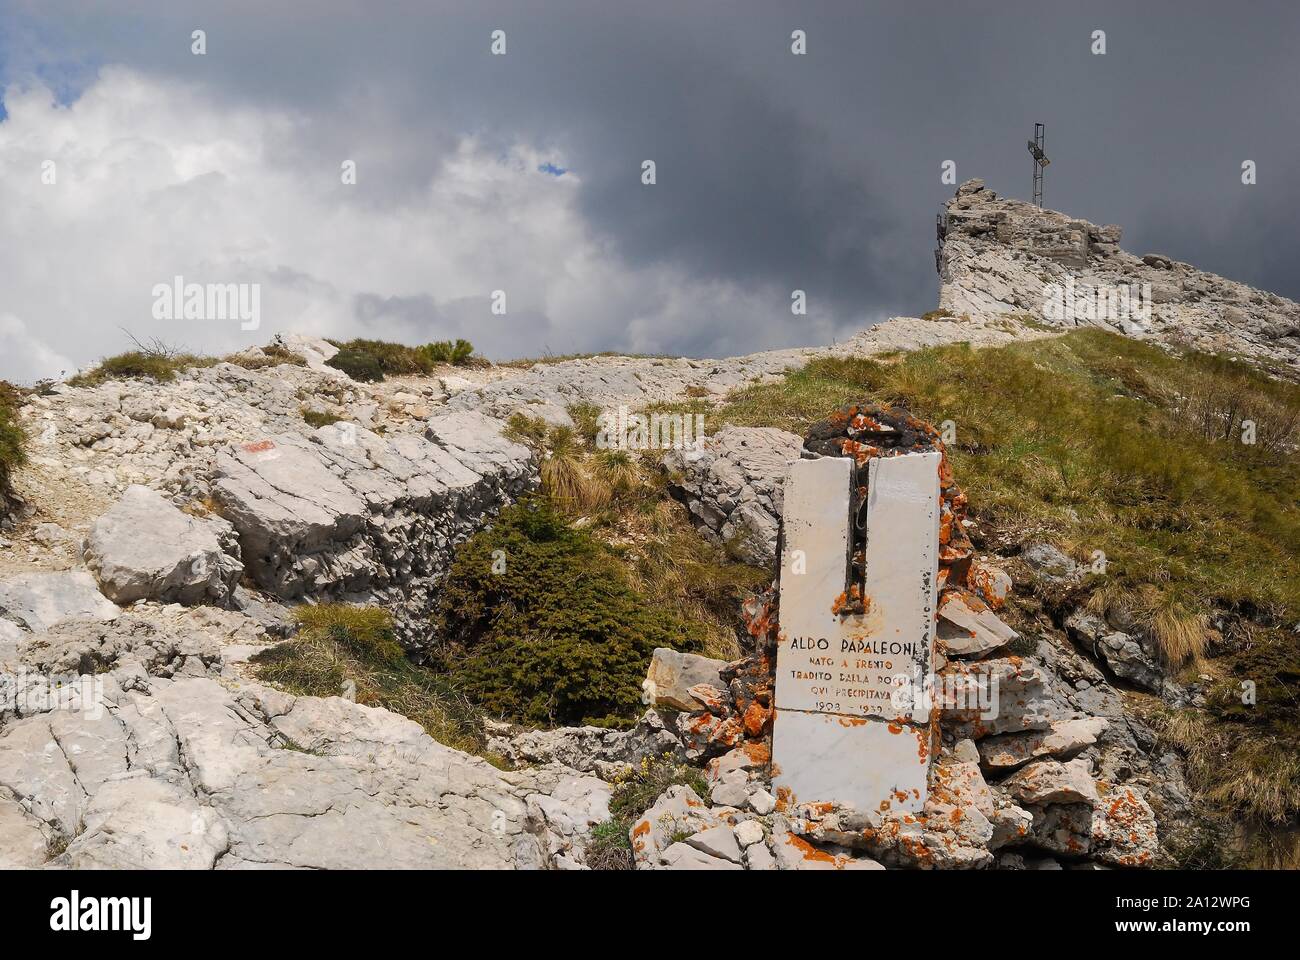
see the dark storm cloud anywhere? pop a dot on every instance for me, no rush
(774, 171)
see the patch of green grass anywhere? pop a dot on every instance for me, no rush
(319, 418)
(337, 643)
(610, 847)
(586, 420)
(369, 361)
(530, 431)
(539, 623)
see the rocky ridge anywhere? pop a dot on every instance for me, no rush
(1002, 256)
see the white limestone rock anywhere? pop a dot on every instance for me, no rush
(1049, 781)
(968, 628)
(38, 601)
(144, 548)
(1062, 741)
(216, 780)
(672, 674)
(732, 486)
(719, 841)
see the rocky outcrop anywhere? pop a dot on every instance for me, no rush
(347, 513)
(1002, 256)
(732, 486)
(599, 750)
(193, 773)
(38, 601)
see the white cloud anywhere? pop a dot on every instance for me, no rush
(21, 353)
(157, 179)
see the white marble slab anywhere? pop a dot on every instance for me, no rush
(842, 732)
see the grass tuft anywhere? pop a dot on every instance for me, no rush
(157, 363)
(337, 643)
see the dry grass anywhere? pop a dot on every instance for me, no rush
(617, 471)
(272, 355)
(1182, 636)
(337, 643)
(566, 478)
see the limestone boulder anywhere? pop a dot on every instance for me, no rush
(732, 485)
(1063, 740)
(1049, 781)
(38, 601)
(673, 674)
(678, 811)
(348, 512)
(1130, 658)
(144, 548)
(1002, 695)
(968, 628)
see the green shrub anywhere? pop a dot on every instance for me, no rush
(446, 351)
(13, 440)
(336, 643)
(540, 623)
(360, 366)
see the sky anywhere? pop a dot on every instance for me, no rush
(126, 160)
